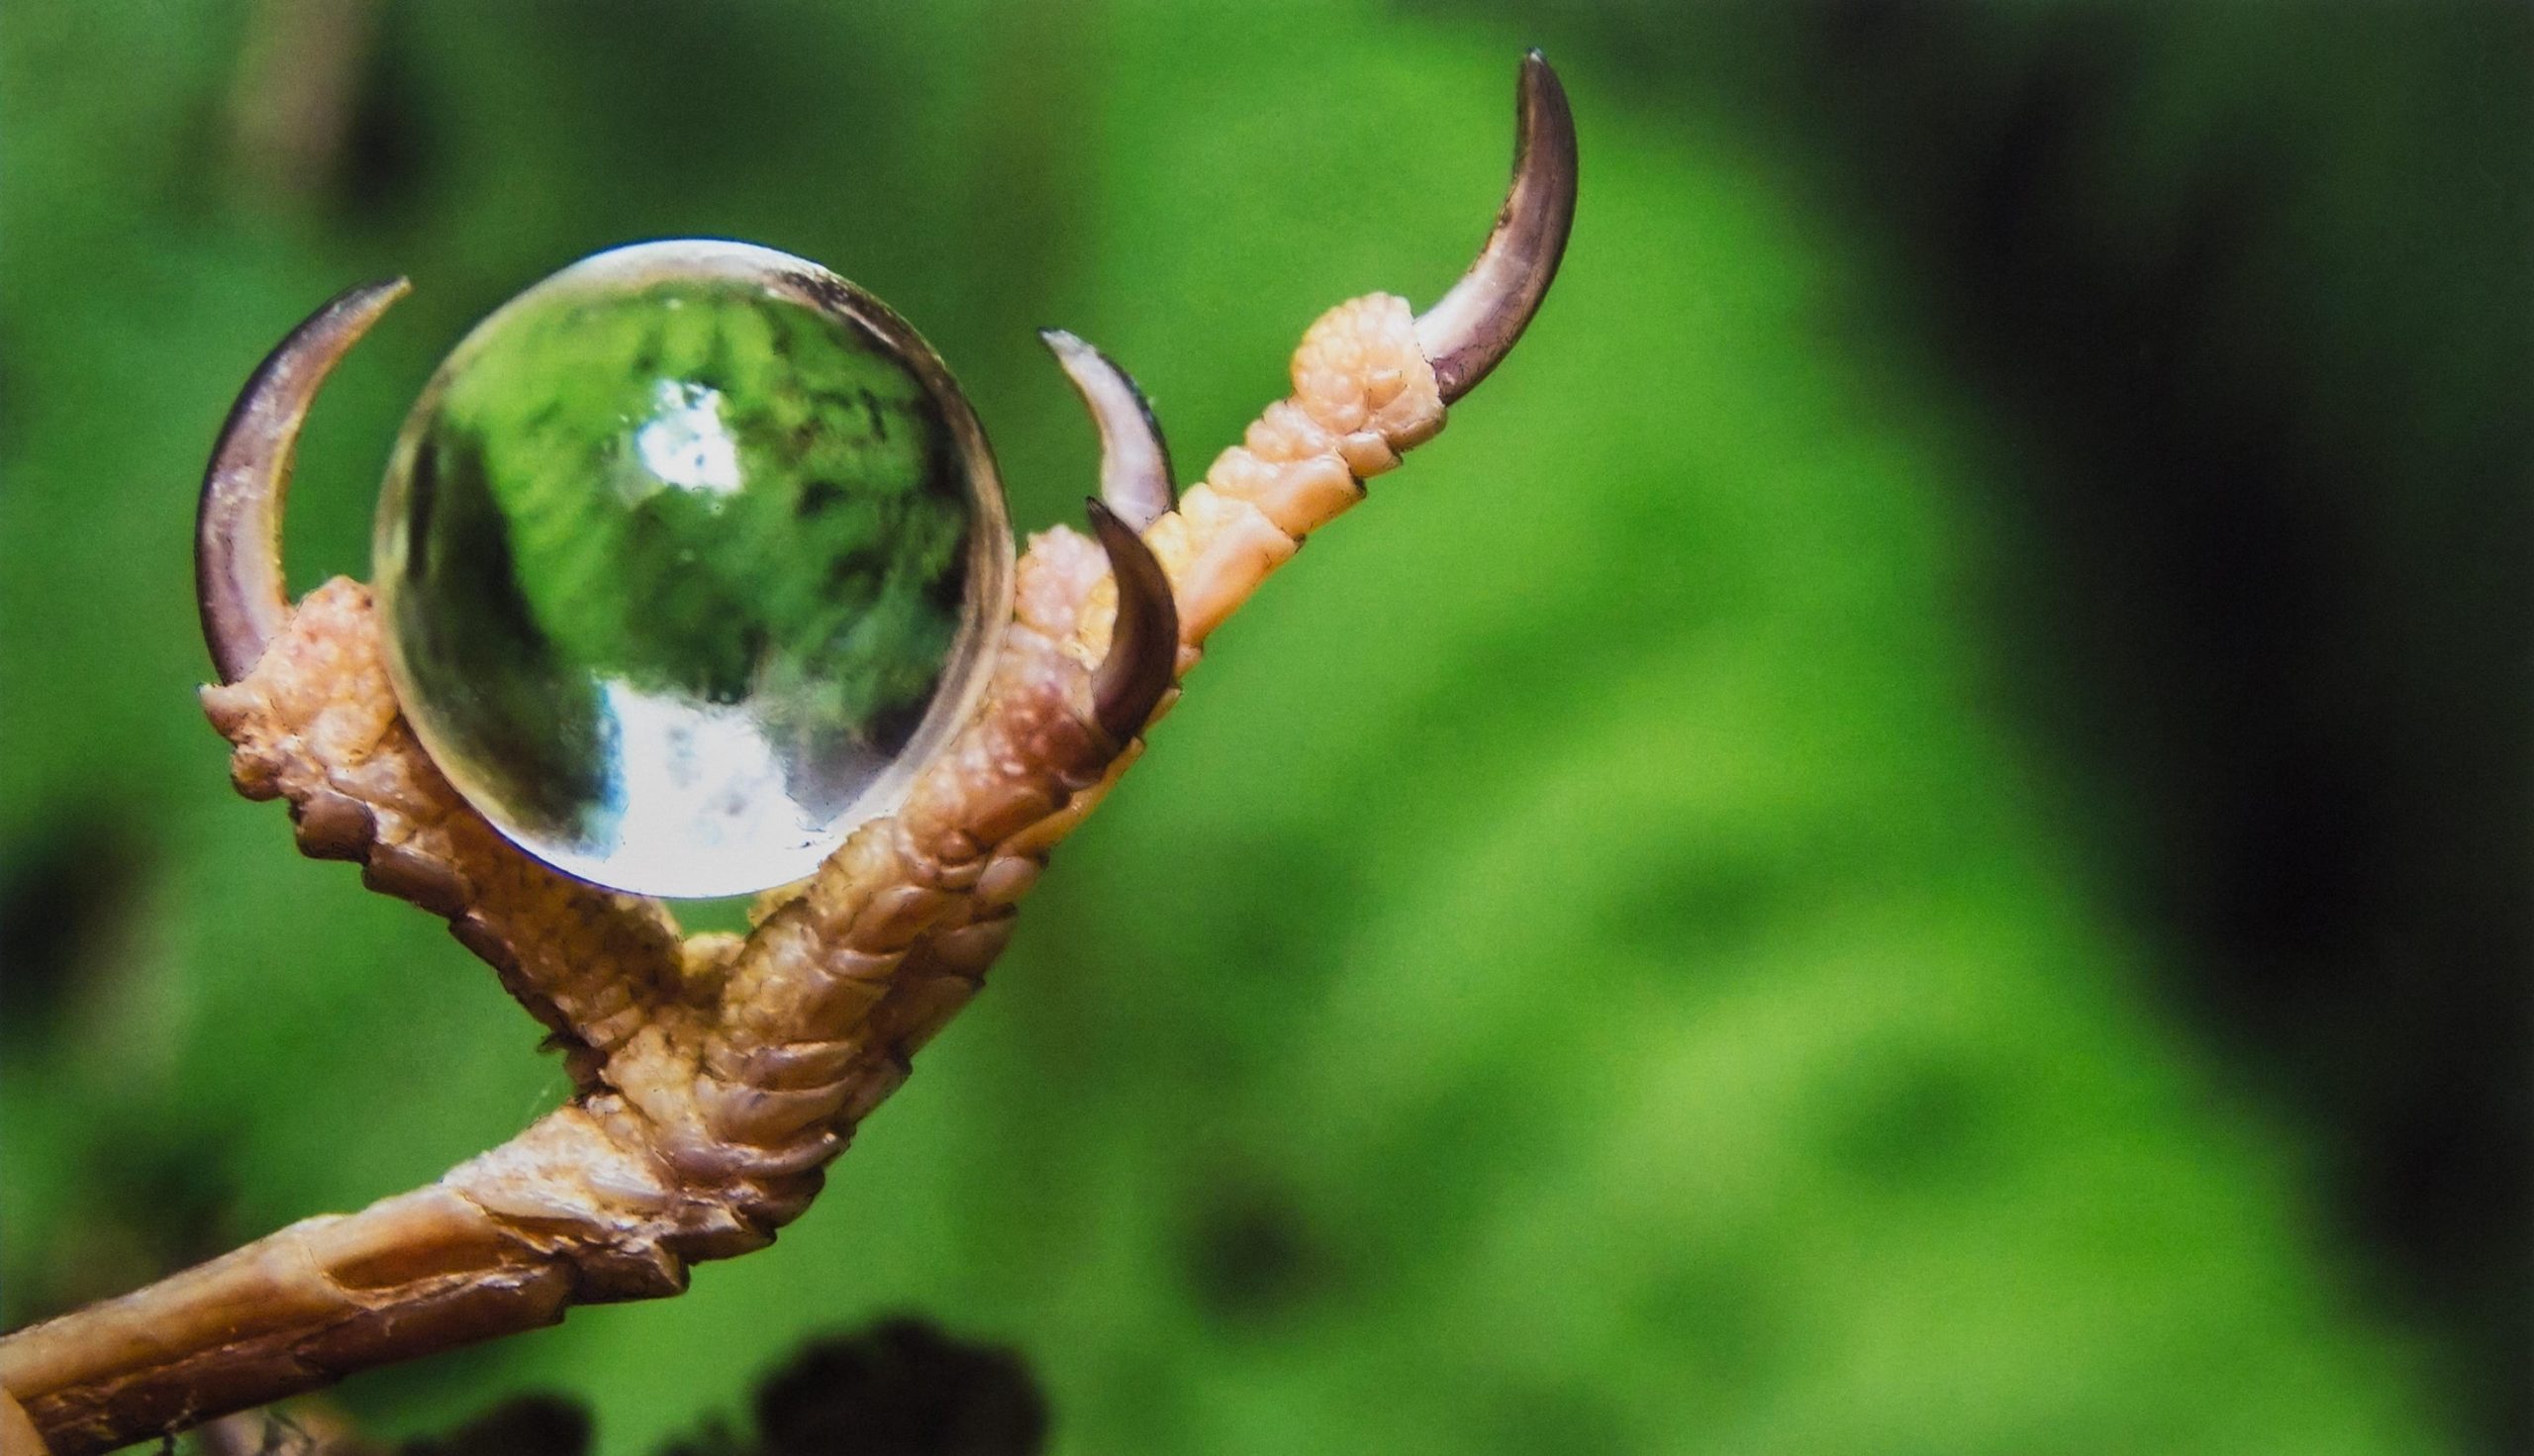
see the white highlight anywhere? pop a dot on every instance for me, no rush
(703, 797)
(685, 443)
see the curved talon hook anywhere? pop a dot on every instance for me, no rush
(1470, 329)
(1143, 647)
(1136, 478)
(237, 576)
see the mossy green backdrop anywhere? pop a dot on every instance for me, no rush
(1723, 911)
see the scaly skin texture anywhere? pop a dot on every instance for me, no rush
(717, 1077)
(317, 724)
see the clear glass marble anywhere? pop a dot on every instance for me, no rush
(686, 560)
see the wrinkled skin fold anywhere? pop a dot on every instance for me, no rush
(717, 1076)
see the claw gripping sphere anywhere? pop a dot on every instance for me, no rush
(687, 556)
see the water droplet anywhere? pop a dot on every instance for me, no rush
(687, 558)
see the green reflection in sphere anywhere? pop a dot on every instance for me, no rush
(687, 556)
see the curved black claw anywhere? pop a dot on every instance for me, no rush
(1143, 648)
(1134, 461)
(238, 535)
(1471, 330)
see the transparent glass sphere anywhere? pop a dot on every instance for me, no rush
(687, 558)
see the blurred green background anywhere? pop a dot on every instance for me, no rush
(1910, 836)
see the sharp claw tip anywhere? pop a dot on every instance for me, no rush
(379, 291)
(237, 576)
(1143, 649)
(1068, 347)
(1469, 330)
